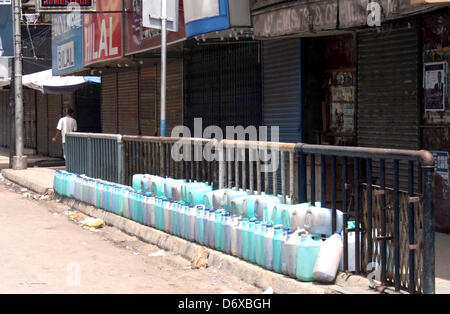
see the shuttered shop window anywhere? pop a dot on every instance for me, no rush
(42, 124)
(388, 84)
(109, 103)
(29, 118)
(282, 87)
(147, 102)
(54, 114)
(128, 102)
(4, 118)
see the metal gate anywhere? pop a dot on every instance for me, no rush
(388, 97)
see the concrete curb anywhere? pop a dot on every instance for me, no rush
(245, 271)
(17, 177)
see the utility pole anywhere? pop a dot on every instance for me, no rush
(12, 118)
(19, 160)
(163, 65)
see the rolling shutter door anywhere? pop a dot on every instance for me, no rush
(147, 103)
(174, 97)
(54, 114)
(282, 87)
(109, 104)
(4, 118)
(223, 85)
(128, 91)
(42, 124)
(29, 118)
(388, 84)
(282, 92)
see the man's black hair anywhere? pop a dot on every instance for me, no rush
(70, 111)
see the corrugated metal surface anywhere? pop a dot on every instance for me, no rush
(148, 100)
(128, 91)
(174, 96)
(54, 114)
(388, 100)
(29, 106)
(42, 124)
(282, 87)
(223, 85)
(109, 104)
(5, 125)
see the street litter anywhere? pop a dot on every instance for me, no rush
(71, 214)
(268, 291)
(23, 190)
(93, 223)
(158, 253)
(200, 258)
(45, 197)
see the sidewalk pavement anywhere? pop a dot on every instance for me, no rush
(33, 159)
(40, 180)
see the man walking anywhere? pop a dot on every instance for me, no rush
(66, 124)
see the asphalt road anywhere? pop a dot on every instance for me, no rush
(44, 251)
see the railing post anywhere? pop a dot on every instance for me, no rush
(222, 165)
(428, 232)
(89, 159)
(120, 160)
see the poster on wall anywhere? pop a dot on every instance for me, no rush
(342, 117)
(6, 29)
(435, 85)
(441, 165)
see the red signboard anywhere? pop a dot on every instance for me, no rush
(138, 38)
(102, 33)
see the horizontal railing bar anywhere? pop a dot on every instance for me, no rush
(95, 135)
(423, 156)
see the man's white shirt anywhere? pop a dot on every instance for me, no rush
(66, 125)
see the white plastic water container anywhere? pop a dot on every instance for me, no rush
(229, 195)
(192, 216)
(168, 184)
(261, 202)
(166, 214)
(227, 233)
(327, 263)
(152, 211)
(176, 192)
(268, 247)
(292, 243)
(211, 227)
(287, 233)
(238, 244)
(237, 206)
(233, 235)
(317, 220)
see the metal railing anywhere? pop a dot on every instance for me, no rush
(95, 155)
(394, 228)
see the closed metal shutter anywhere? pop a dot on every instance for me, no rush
(282, 87)
(42, 124)
(128, 97)
(4, 119)
(29, 105)
(109, 104)
(54, 114)
(174, 96)
(223, 85)
(388, 85)
(148, 100)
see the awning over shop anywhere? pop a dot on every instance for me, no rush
(46, 83)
